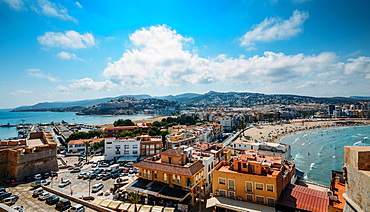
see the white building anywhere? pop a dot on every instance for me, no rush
(264, 148)
(122, 147)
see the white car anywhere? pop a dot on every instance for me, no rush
(96, 187)
(44, 196)
(37, 176)
(64, 183)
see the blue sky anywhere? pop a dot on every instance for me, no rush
(72, 50)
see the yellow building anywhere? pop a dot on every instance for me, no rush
(253, 178)
(170, 176)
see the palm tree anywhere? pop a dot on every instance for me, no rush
(134, 198)
(87, 144)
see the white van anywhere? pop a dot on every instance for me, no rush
(97, 187)
(38, 191)
(113, 167)
(77, 208)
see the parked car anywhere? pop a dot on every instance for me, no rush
(93, 176)
(10, 180)
(37, 177)
(115, 175)
(44, 196)
(52, 200)
(106, 176)
(10, 200)
(81, 175)
(100, 176)
(64, 183)
(45, 182)
(63, 204)
(36, 184)
(46, 175)
(86, 176)
(2, 190)
(129, 164)
(77, 208)
(96, 187)
(37, 192)
(106, 193)
(5, 195)
(94, 164)
(76, 169)
(53, 173)
(19, 208)
(28, 178)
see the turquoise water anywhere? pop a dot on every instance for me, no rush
(317, 152)
(48, 117)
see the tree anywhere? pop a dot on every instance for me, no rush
(87, 144)
(135, 198)
(154, 131)
(127, 134)
(121, 122)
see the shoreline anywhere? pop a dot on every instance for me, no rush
(275, 132)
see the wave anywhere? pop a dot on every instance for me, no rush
(312, 166)
(295, 140)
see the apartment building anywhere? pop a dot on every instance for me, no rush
(170, 176)
(79, 146)
(253, 178)
(264, 148)
(150, 145)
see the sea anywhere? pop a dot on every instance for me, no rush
(47, 117)
(317, 152)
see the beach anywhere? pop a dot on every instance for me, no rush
(274, 132)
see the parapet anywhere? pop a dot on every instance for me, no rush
(357, 157)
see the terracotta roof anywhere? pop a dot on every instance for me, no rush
(81, 141)
(299, 197)
(173, 152)
(171, 168)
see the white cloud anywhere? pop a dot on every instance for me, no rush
(88, 84)
(78, 4)
(159, 59)
(273, 29)
(21, 92)
(68, 56)
(15, 4)
(68, 40)
(51, 9)
(61, 88)
(39, 74)
(42, 7)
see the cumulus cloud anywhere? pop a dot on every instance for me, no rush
(39, 74)
(42, 7)
(273, 29)
(21, 92)
(161, 57)
(68, 56)
(67, 40)
(87, 84)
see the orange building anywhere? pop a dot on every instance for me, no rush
(253, 178)
(171, 176)
(150, 145)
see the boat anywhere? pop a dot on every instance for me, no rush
(7, 125)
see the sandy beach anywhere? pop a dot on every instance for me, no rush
(272, 133)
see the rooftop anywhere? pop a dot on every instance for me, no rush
(188, 169)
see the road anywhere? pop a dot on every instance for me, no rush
(79, 187)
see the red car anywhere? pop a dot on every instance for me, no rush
(126, 170)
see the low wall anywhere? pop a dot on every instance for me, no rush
(80, 201)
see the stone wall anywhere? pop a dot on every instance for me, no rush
(358, 177)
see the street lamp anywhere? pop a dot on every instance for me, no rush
(89, 187)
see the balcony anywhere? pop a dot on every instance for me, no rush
(231, 188)
(249, 191)
(189, 184)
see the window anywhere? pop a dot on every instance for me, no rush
(222, 181)
(165, 177)
(260, 199)
(174, 178)
(134, 152)
(259, 186)
(144, 173)
(127, 152)
(134, 146)
(269, 187)
(248, 187)
(109, 142)
(178, 179)
(249, 197)
(270, 201)
(158, 146)
(157, 152)
(231, 194)
(151, 152)
(118, 152)
(127, 146)
(155, 175)
(152, 146)
(148, 173)
(222, 193)
(118, 146)
(231, 185)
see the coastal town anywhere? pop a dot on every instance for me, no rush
(209, 159)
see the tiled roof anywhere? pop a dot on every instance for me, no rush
(171, 168)
(299, 197)
(173, 152)
(81, 141)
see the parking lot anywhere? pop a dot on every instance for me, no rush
(79, 188)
